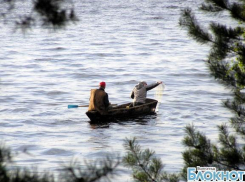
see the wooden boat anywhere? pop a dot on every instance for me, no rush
(123, 112)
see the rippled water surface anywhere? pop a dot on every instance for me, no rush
(119, 42)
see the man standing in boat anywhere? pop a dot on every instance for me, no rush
(99, 100)
(140, 91)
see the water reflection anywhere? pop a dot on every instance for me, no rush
(99, 140)
(140, 120)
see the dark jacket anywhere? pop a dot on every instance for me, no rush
(99, 101)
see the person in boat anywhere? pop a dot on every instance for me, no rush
(99, 100)
(140, 91)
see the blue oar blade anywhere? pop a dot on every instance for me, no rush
(72, 106)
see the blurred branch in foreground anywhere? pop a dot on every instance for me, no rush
(54, 14)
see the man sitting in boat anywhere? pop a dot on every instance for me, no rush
(140, 91)
(99, 100)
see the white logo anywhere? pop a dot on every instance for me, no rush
(210, 174)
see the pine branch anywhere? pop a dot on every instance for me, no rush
(224, 4)
(25, 175)
(224, 38)
(195, 139)
(210, 8)
(221, 70)
(5, 154)
(54, 14)
(170, 177)
(216, 6)
(227, 40)
(199, 146)
(239, 124)
(229, 33)
(229, 153)
(189, 22)
(227, 63)
(135, 149)
(235, 107)
(219, 50)
(93, 171)
(145, 166)
(224, 138)
(226, 165)
(237, 11)
(239, 97)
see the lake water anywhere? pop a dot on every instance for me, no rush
(119, 42)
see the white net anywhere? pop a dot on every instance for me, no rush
(159, 94)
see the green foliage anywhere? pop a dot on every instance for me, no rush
(101, 169)
(146, 167)
(5, 157)
(200, 152)
(226, 62)
(46, 13)
(24, 175)
(194, 29)
(18, 175)
(226, 42)
(52, 13)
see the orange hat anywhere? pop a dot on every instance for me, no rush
(102, 84)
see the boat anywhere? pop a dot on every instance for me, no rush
(123, 111)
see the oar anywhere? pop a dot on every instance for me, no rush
(76, 106)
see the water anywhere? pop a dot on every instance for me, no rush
(121, 43)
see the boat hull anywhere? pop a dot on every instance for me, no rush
(123, 112)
